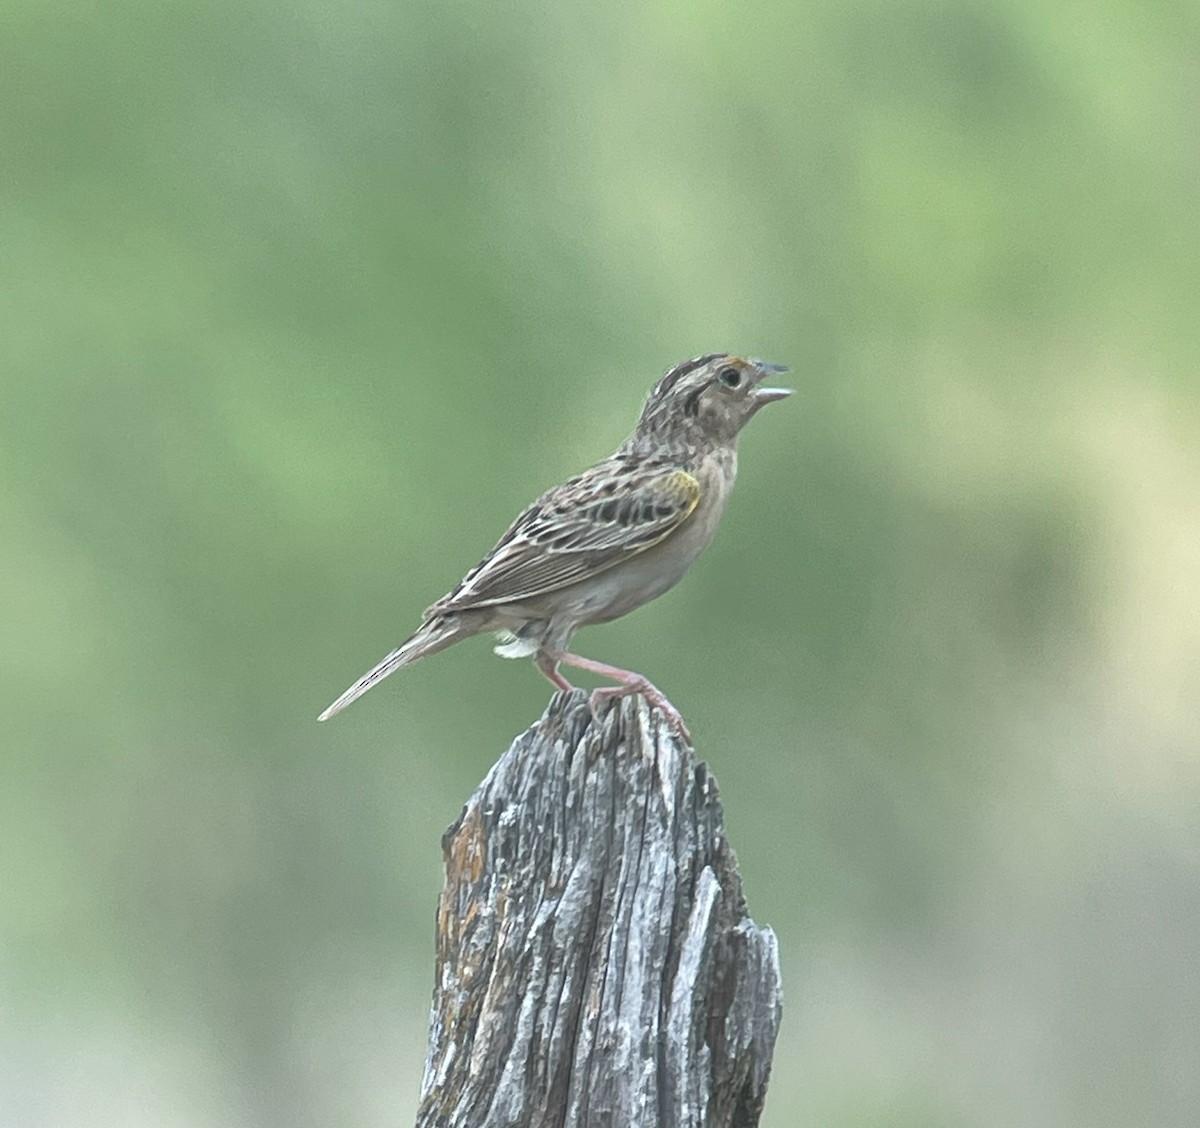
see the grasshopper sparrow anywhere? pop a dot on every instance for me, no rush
(607, 540)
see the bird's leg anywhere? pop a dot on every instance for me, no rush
(548, 664)
(628, 682)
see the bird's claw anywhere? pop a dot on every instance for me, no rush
(651, 693)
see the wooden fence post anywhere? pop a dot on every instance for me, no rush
(596, 965)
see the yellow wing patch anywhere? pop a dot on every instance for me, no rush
(685, 489)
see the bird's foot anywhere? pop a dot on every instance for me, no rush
(650, 692)
(627, 682)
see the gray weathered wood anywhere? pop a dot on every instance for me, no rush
(596, 964)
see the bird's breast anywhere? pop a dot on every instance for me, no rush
(659, 568)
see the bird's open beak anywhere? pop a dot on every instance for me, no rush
(764, 396)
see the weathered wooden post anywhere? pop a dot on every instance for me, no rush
(595, 961)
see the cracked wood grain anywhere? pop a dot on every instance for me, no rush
(596, 965)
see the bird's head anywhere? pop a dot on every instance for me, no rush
(708, 399)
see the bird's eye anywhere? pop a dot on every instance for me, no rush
(730, 377)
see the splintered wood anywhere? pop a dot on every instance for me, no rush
(596, 965)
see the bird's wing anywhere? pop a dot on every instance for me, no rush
(578, 530)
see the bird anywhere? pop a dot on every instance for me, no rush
(606, 541)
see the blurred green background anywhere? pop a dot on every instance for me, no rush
(300, 303)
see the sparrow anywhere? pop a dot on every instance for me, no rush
(607, 540)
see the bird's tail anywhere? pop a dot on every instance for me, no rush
(434, 635)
